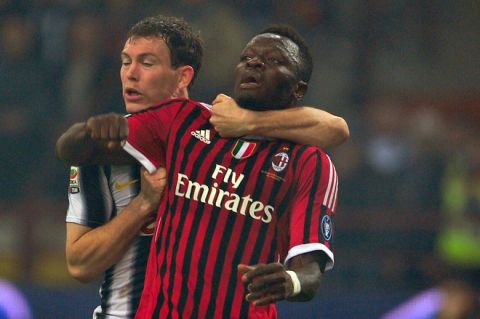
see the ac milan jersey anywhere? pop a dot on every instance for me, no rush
(229, 201)
(96, 194)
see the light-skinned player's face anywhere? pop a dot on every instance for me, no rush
(147, 74)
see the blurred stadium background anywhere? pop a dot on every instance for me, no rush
(404, 74)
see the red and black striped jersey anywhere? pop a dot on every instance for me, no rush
(228, 201)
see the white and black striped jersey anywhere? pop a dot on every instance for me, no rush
(96, 195)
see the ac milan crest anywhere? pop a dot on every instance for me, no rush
(280, 161)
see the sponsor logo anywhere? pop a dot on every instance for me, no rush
(119, 186)
(218, 197)
(327, 227)
(280, 161)
(202, 135)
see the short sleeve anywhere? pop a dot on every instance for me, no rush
(313, 207)
(148, 133)
(90, 202)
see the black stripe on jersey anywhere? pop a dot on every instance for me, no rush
(135, 171)
(316, 181)
(106, 289)
(91, 185)
(194, 114)
(108, 174)
(142, 248)
(108, 171)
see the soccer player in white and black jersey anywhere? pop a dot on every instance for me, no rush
(233, 203)
(110, 219)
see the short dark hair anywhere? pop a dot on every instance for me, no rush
(186, 46)
(306, 61)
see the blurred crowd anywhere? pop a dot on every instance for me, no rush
(403, 74)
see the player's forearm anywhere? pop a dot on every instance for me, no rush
(303, 125)
(97, 141)
(75, 147)
(308, 269)
(102, 247)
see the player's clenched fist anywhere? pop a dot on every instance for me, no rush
(229, 119)
(111, 128)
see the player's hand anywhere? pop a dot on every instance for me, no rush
(152, 186)
(266, 283)
(229, 119)
(111, 128)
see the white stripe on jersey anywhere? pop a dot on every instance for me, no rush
(335, 202)
(140, 157)
(207, 106)
(332, 188)
(331, 179)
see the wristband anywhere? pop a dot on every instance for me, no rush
(297, 288)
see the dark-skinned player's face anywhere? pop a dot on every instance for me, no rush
(266, 76)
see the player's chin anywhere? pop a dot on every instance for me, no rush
(250, 101)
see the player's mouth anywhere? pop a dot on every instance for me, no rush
(250, 82)
(132, 95)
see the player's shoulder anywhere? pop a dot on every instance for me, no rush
(309, 152)
(308, 149)
(176, 103)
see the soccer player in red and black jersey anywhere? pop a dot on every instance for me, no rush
(234, 207)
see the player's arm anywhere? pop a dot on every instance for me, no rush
(269, 283)
(96, 141)
(303, 125)
(91, 251)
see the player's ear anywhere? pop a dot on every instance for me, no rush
(300, 90)
(185, 73)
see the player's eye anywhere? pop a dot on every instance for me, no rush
(273, 60)
(245, 58)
